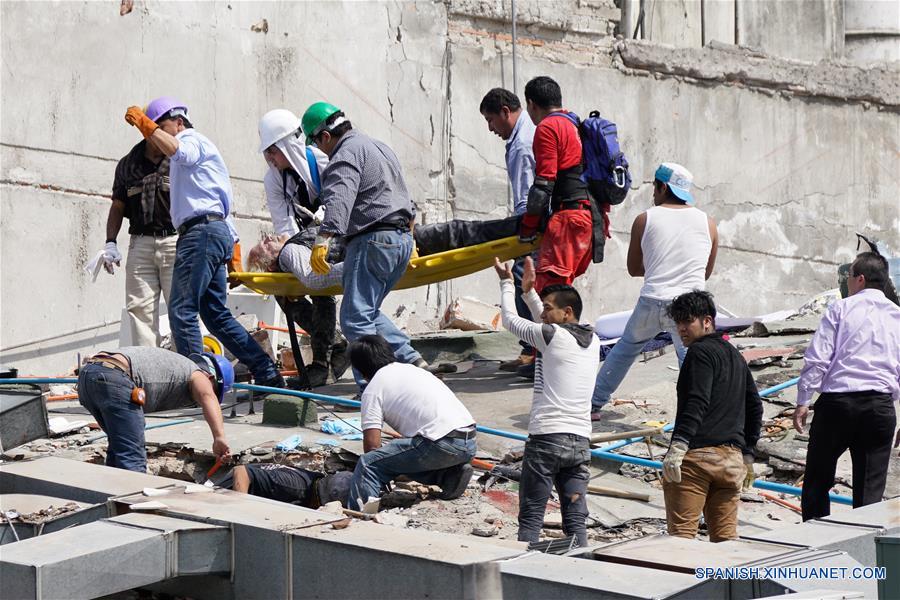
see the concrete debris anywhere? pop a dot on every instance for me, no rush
(126, 7)
(44, 514)
(261, 27)
(470, 314)
(485, 531)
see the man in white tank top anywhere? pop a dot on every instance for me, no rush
(673, 247)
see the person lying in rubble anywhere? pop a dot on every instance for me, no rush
(119, 387)
(558, 450)
(717, 425)
(438, 432)
(287, 483)
(292, 194)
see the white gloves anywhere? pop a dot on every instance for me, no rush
(672, 462)
(111, 257)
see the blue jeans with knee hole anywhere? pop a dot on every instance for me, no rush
(557, 460)
(106, 393)
(412, 456)
(373, 264)
(648, 319)
(199, 287)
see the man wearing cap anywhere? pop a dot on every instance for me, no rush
(292, 185)
(367, 203)
(201, 212)
(119, 386)
(673, 247)
(141, 194)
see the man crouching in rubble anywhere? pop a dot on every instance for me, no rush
(118, 387)
(287, 483)
(438, 431)
(718, 419)
(559, 427)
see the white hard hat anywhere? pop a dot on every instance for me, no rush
(275, 125)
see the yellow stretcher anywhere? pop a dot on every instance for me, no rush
(422, 271)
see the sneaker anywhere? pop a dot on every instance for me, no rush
(454, 481)
(512, 365)
(275, 382)
(526, 371)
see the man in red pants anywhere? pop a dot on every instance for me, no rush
(557, 191)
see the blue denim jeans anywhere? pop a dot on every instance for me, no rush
(554, 460)
(199, 288)
(106, 393)
(416, 457)
(374, 262)
(646, 322)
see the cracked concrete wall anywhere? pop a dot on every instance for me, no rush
(790, 160)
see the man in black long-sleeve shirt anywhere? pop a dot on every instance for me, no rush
(718, 420)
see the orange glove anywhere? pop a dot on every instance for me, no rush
(235, 265)
(135, 116)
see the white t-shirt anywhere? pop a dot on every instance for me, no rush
(676, 247)
(413, 402)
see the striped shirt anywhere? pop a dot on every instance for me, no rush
(362, 185)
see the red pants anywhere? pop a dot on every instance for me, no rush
(566, 250)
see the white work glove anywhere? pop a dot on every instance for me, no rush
(672, 462)
(111, 257)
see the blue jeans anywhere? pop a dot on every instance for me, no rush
(521, 307)
(106, 393)
(648, 319)
(374, 262)
(416, 457)
(554, 460)
(199, 288)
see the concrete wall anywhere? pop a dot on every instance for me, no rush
(789, 176)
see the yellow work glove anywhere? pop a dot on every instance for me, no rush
(672, 462)
(413, 256)
(135, 116)
(750, 475)
(319, 258)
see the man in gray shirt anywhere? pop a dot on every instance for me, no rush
(119, 386)
(366, 201)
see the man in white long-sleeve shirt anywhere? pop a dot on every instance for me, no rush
(558, 448)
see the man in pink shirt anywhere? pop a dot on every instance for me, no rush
(853, 362)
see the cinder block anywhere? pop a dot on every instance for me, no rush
(289, 411)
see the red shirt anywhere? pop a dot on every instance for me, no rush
(557, 146)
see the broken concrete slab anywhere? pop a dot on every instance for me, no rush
(40, 514)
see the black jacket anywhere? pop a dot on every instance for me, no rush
(717, 398)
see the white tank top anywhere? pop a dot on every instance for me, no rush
(676, 246)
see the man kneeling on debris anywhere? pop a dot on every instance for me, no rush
(118, 387)
(718, 419)
(287, 483)
(559, 428)
(438, 432)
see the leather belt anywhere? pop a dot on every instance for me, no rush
(158, 233)
(109, 364)
(208, 218)
(462, 434)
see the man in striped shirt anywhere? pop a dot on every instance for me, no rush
(367, 203)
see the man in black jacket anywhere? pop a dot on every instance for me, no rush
(717, 421)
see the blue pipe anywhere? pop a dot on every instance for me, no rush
(100, 436)
(780, 386)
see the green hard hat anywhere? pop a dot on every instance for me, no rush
(313, 121)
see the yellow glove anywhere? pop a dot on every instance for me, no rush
(750, 475)
(413, 256)
(135, 116)
(318, 260)
(672, 462)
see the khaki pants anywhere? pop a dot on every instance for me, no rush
(148, 272)
(711, 481)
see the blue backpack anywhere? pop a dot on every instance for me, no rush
(605, 166)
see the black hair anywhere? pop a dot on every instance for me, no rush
(873, 267)
(340, 129)
(496, 99)
(184, 120)
(693, 305)
(369, 353)
(670, 195)
(563, 296)
(544, 92)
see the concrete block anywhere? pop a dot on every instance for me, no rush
(74, 480)
(856, 540)
(884, 515)
(404, 563)
(289, 411)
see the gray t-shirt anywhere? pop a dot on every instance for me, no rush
(164, 375)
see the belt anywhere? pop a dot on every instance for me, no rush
(109, 364)
(575, 205)
(158, 232)
(208, 218)
(462, 434)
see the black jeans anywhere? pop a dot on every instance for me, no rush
(559, 459)
(864, 422)
(317, 315)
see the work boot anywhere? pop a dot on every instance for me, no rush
(435, 369)
(454, 481)
(340, 362)
(317, 374)
(526, 371)
(512, 366)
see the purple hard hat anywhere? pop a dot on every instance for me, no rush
(165, 107)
